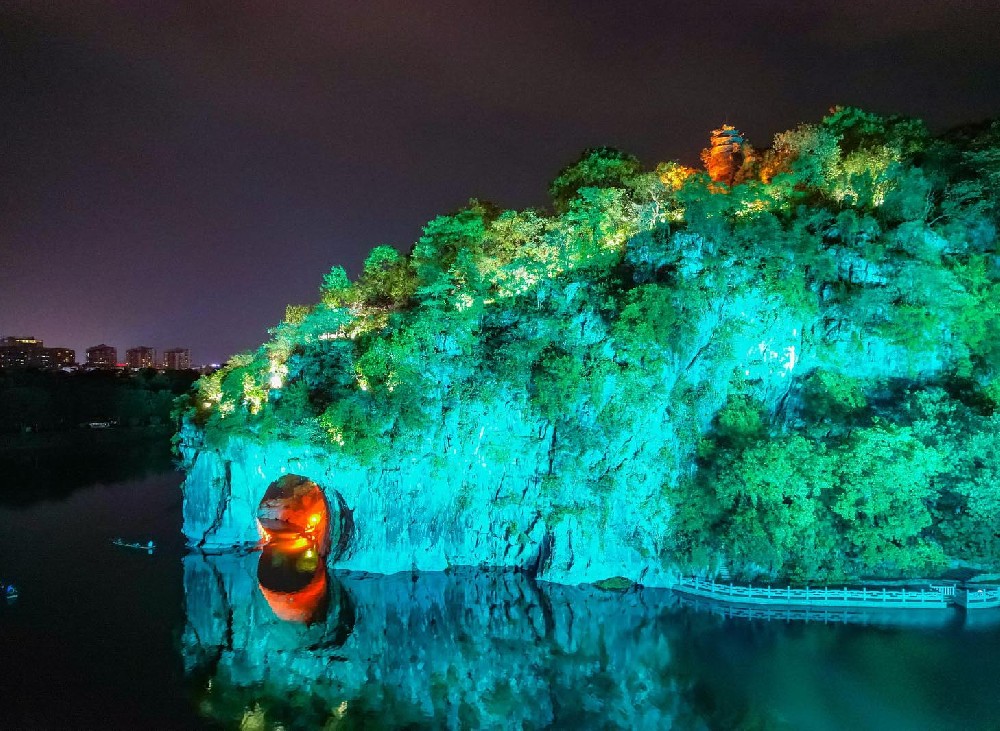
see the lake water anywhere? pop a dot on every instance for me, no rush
(111, 638)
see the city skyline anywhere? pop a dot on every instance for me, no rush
(34, 352)
(181, 174)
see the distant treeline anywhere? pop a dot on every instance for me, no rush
(33, 400)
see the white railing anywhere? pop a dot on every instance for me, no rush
(985, 596)
(777, 595)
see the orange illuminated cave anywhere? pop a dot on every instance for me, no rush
(300, 532)
(294, 507)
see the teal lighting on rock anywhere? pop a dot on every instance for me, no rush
(786, 371)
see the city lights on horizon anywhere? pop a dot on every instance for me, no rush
(27, 351)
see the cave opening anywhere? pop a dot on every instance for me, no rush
(295, 509)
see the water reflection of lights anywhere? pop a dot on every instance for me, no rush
(293, 579)
(290, 543)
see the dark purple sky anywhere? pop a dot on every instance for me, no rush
(175, 173)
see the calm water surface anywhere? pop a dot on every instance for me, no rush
(105, 637)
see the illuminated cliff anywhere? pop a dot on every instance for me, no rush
(793, 375)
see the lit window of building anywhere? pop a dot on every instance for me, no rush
(177, 359)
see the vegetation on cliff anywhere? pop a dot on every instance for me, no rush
(788, 362)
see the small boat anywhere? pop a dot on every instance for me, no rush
(8, 591)
(150, 546)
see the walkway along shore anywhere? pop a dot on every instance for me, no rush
(935, 597)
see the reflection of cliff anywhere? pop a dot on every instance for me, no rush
(498, 650)
(480, 650)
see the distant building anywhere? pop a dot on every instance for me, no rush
(20, 341)
(177, 359)
(102, 356)
(18, 352)
(59, 357)
(140, 357)
(28, 352)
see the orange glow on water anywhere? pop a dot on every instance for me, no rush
(292, 543)
(293, 580)
(301, 606)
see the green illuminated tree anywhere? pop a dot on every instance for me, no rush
(884, 495)
(598, 167)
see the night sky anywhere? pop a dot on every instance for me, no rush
(174, 174)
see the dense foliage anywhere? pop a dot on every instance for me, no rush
(804, 362)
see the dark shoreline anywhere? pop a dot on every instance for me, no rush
(54, 464)
(80, 439)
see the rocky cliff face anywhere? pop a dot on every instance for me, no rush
(495, 485)
(457, 505)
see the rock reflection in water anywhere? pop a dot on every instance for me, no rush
(497, 650)
(471, 650)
